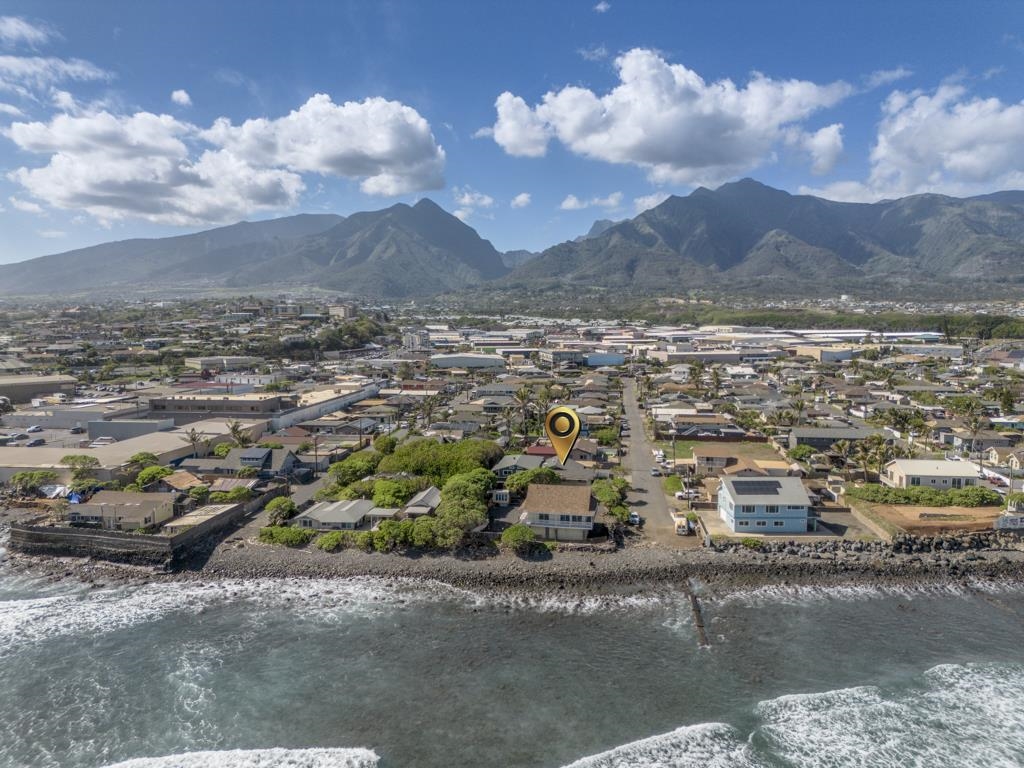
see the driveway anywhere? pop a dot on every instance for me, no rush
(648, 497)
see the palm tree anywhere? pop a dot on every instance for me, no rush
(427, 408)
(799, 405)
(862, 454)
(716, 382)
(194, 438)
(843, 449)
(522, 399)
(239, 435)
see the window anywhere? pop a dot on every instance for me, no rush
(747, 509)
(778, 523)
(915, 481)
(772, 509)
(543, 516)
(564, 518)
(957, 482)
(577, 518)
(743, 524)
(762, 523)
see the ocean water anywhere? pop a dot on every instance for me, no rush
(364, 672)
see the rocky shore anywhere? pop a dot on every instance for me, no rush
(908, 561)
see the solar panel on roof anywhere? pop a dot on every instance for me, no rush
(757, 487)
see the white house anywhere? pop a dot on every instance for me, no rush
(763, 505)
(928, 473)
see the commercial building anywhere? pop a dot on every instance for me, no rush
(23, 389)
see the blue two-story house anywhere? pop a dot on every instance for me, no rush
(765, 505)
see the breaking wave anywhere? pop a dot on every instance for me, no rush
(970, 716)
(259, 758)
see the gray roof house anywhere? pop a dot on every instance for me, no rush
(335, 515)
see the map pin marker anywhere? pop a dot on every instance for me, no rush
(563, 428)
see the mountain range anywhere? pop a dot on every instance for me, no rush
(743, 237)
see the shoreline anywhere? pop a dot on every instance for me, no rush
(634, 569)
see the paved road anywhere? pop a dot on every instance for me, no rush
(648, 498)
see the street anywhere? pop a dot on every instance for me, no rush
(647, 496)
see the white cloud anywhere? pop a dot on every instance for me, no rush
(603, 6)
(25, 206)
(26, 75)
(665, 118)
(945, 141)
(573, 203)
(467, 197)
(594, 53)
(10, 109)
(885, 76)
(462, 213)
(646, 202)
(521, 200)
(164, 170)
(824, 146)
(51, 234)
(387, 144)
(181, 98)
(14, 29)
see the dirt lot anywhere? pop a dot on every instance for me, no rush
(931, 520)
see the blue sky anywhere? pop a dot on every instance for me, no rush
(529, 120)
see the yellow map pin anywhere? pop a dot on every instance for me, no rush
(563, 428)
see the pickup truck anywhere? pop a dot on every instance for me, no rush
(689, 493)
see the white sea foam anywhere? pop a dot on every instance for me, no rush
(970, 716)
(965, 716)
(709, 745)
(813, 595)
(259, 758)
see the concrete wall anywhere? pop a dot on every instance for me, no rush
(125, 429)
(126, 547)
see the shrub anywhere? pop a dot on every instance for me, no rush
(199, 493)
(334, 540)
(750, 543)
(929, 497)
(354, 467)
(519, 538)
(364, 540)
(385, 445)
(281, 509)
(423, 533)
(801, 453)
(222, 450)
(236, 495)
(289, 537)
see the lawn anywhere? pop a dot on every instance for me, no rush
(671, 484)
(684, 449)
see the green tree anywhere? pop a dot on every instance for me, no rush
(200, 494)
(151, 475)
(248, 472)
(385, 445)
(222, 449)
(83, 469)
(518, 482)
(354, 467)
(519, 538)
(281, 509)
(30, 482)
(423, 533)
(141, 460)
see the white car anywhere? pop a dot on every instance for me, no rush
(34, 428)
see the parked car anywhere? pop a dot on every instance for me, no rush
(34, 442)
(634, 518)
(77, 430)
(34, 428)
(655, 472)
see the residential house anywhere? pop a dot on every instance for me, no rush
(123, 510)
(561, 512)
(423, 503)
(928, 473)
(778, 505)
(821, 439)
(335, 515)
(513, 463)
